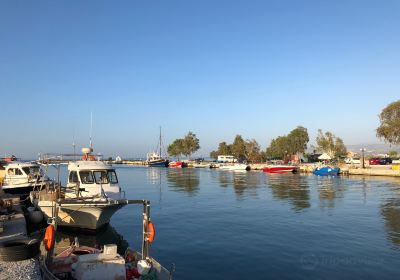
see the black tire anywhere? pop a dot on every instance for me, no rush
(19, 250)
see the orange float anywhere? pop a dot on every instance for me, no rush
(49, 238)
(151, 232)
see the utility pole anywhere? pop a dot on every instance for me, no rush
(363, 157)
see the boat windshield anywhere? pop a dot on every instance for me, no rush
(31, 170)
(86, 177)
(101, 177)
(112, 177)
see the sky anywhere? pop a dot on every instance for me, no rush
(214, 67)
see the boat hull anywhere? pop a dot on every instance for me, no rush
(21, 189)
(158, 163)
(81, 216)
(326, 171)
(235, 167)
(177, 164)
(280, 169)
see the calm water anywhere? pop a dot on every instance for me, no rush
(216, 224)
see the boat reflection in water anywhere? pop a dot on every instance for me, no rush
(244, 183)
(107, 235)
(292, 188)
(184, 180)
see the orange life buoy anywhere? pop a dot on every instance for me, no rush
(151, 232)
(88, 157)
(49, 238)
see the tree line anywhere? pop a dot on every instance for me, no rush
(296, 142)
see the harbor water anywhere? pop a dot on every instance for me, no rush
(214, 224)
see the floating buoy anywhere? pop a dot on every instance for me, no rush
(49, 238)
(151, 232)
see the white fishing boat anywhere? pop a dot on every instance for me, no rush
(154, 159)
(21, 177)
(90, 199)
(234, 166)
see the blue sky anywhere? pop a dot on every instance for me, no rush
(218, 68)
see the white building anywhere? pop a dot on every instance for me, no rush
(225, 158)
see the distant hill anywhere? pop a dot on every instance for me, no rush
(373, 148)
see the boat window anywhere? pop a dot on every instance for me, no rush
(31, 170)
(101, 177)
(18, 171)
(73, 177)
(86, 177)
(112, 177)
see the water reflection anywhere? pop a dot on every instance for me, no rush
(244, 183)
(330, 189)
(108, 235)
(183, 179)
(292, 188)
(154, 175)
(391, 214)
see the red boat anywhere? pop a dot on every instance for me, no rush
(280, 169)
(177, 164)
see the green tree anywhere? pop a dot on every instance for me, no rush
(176, 149)
(393, 154)
(214, 154)
(191, 144)
(239, 148)
(330, 144)
(223, 149)
(297, 140)
(389, 129)
(253, 151)
(284, 146)
(278, 148)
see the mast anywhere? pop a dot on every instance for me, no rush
(160, 141)
(91, 130)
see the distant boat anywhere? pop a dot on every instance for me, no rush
(235, 166)
(280, 169)
(327, 171)
(177, 164)
(154, 159)
(22, 177)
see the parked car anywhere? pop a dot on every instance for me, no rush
(374, 161)
(355, 160)
(385, 161)
(380, 161)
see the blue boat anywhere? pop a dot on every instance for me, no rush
(327, 171)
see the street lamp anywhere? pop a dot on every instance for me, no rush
(363, 157)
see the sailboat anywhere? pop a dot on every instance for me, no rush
(155, 159)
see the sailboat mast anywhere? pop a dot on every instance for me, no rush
(160, 141)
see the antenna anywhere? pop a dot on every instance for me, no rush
(160, 140)
(91, 130)
(73, 145)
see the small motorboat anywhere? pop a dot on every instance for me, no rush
(326, 171)
(280, 169)
(234, 167)
(22, 177)
(177, 164)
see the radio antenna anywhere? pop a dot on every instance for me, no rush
(91, 131)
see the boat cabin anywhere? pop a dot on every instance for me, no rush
(18, 173)
(225, 158)
(93, 178)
